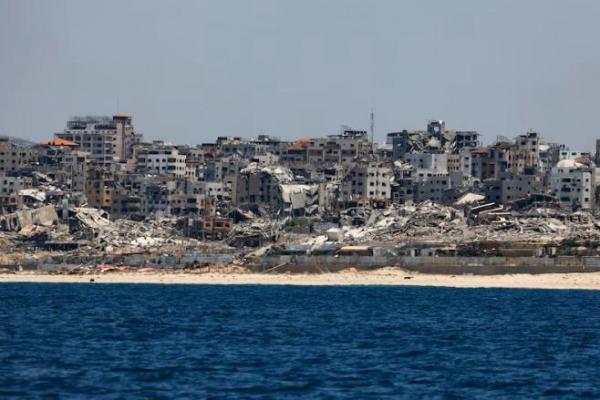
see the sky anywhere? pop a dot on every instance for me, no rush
(189, 71)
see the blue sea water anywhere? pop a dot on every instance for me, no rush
(361, 342)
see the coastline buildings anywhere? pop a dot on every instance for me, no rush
(102, 162)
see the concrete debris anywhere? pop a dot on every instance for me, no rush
(35, 232)
(420, 229)
(256, 233)
(92, 218)
(43, 216)
(282, 174)
(469, 198)
(335, 235)
(405, 222)
(36, 194)
(431, 222)
(124, 235)
(238, 214)
(297, 197)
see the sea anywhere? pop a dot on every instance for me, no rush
(123, 341)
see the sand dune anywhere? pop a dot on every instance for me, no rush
(384, 276)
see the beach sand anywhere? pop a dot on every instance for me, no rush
(384, 276)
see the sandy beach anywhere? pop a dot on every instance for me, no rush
(384, 276)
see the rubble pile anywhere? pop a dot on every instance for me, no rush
(432, 222)
(255, 233)
(540, 225)
(124, 235)
(406, 223)
(91, 231)
(8, 240)
(281, 174)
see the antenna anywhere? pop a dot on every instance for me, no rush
(372, 131)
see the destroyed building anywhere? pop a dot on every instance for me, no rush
(97, 186)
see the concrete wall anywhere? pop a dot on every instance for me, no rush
(432, 265)
(320, 264)
(133, 260)
(44, 216)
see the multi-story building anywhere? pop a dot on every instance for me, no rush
(342, 149)
(566, 154)
(14, 184)
(99, 187)
(432, 186)
(160, 159)
(62, 161)
(218, 169)
(126, 204)
(14, 157)
(104, 159)
(404, 142)
(573, 184)
(528, 153)
(74, 166)
(216, 190)
(10, 203)
(258, 184)
(367, 181)
(549, 156)
(460, 168)
(108, 140)
(483, 163)
(510, 187)
(465, 139)
(239, 147)
(403, 184)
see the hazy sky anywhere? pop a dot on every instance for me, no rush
(189, 71)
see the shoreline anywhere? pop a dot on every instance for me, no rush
(384, 276)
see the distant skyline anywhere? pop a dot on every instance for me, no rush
(189, 71)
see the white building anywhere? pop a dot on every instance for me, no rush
(566, 154)
(161, 160)
(572, 184)
(369, 181)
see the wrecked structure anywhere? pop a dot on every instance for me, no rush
(97, 188)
